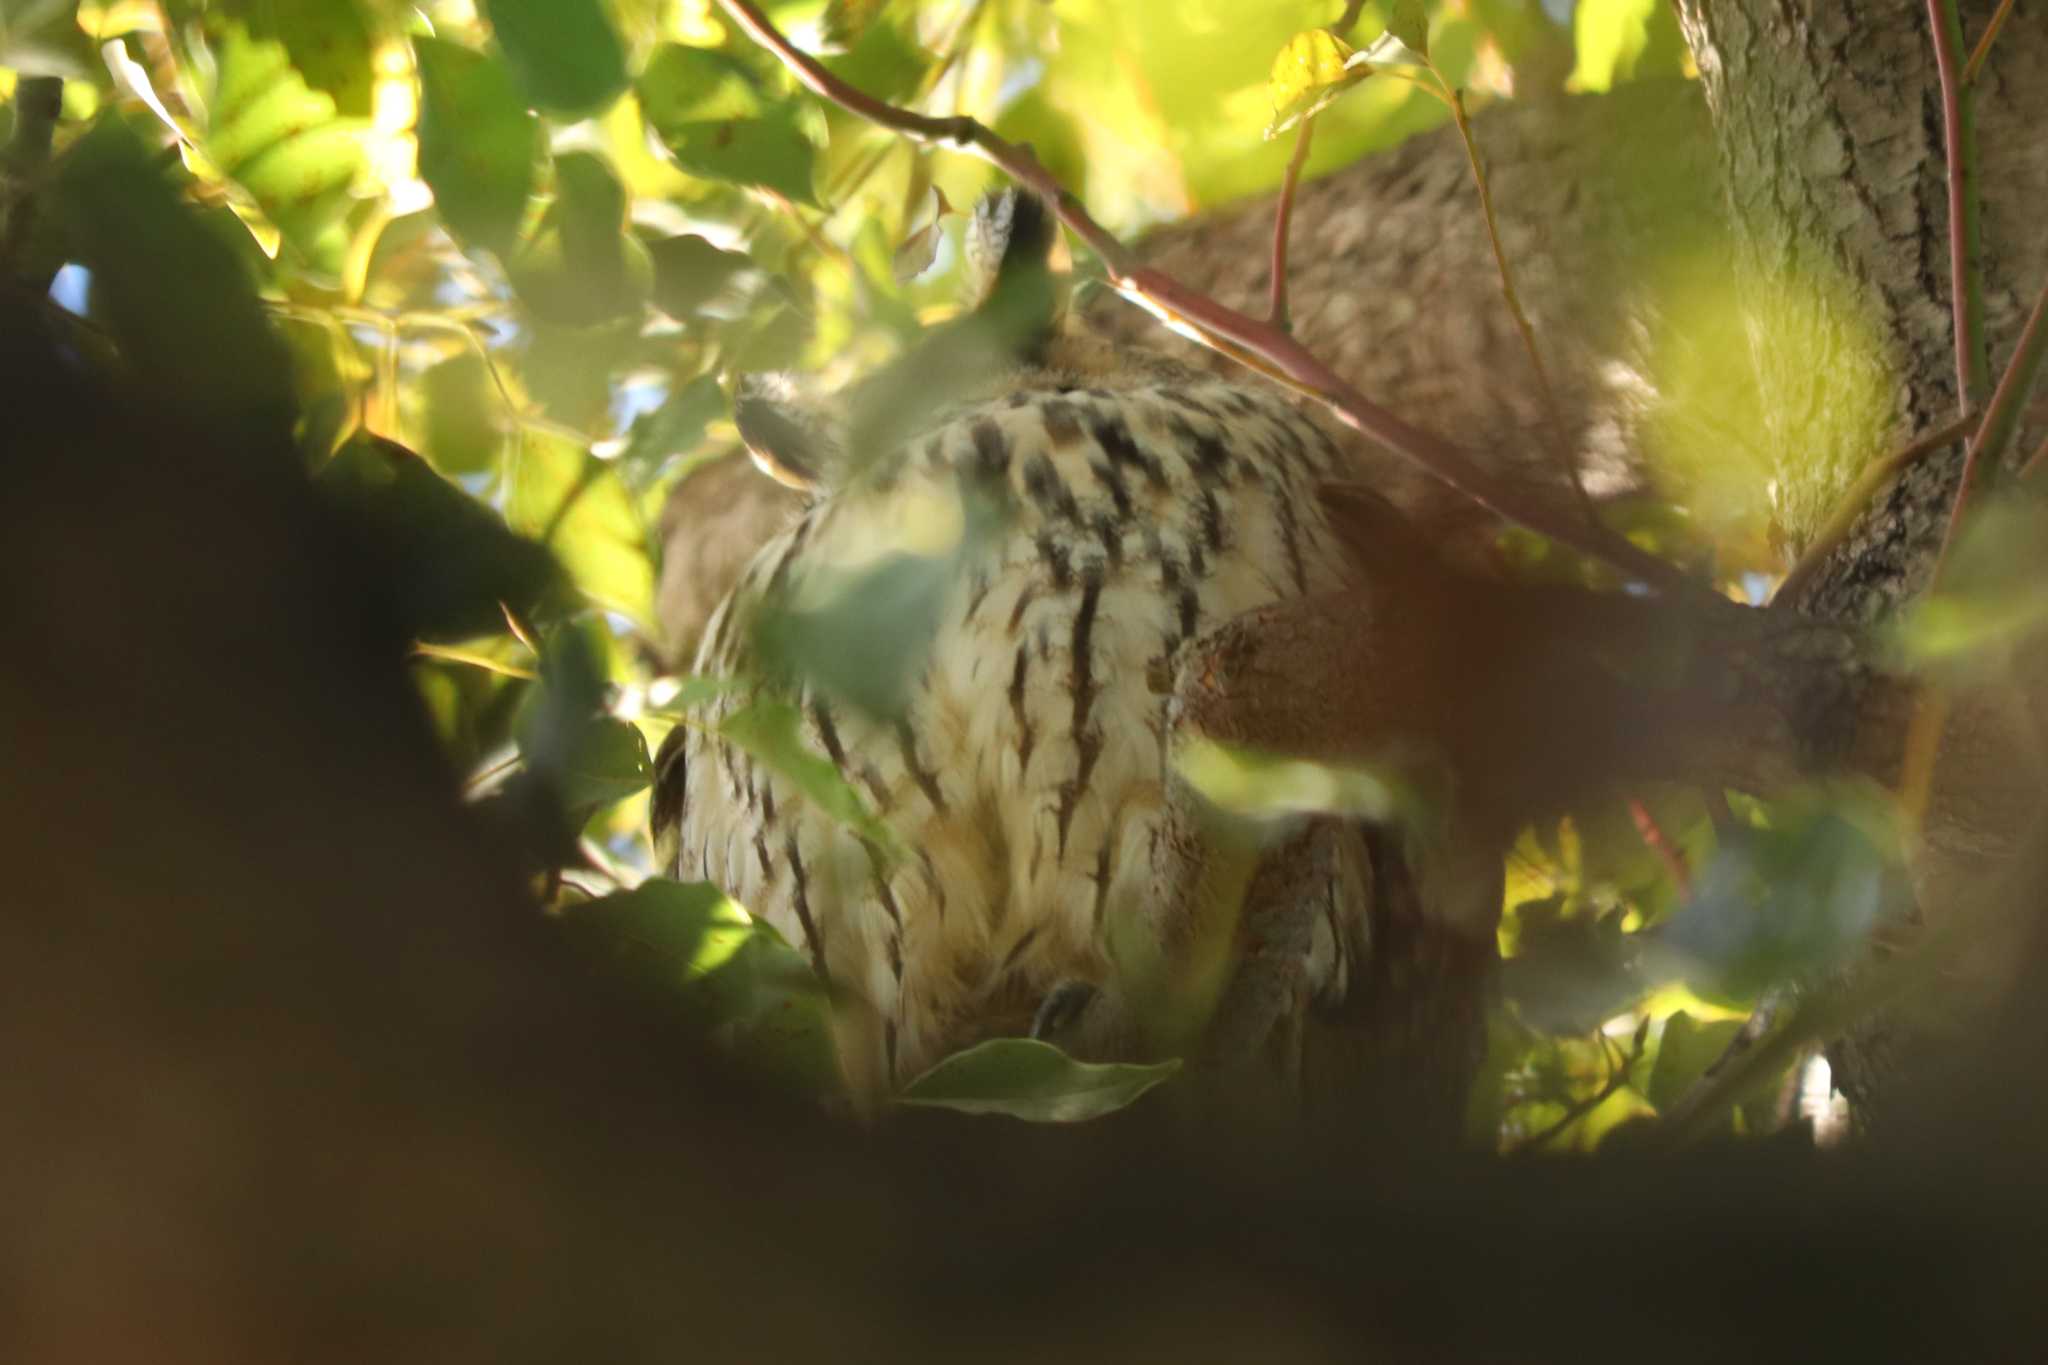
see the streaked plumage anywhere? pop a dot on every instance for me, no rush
(1145, 505)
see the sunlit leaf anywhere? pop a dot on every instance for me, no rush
(1252, 783)
(329, 42)
(281, 141)
(735, 977)
(574, 503)
(1685, 1050)
(1621, 40)
(1027, 1079)
(1308, 75)
(769, 730)
(479, 146)
(463, 432)
(564, 52)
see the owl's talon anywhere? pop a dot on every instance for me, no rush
(1062, 1005)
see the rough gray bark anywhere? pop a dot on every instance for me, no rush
(1828, 121)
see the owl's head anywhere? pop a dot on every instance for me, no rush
(810, 442)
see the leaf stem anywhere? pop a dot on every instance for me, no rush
(1553, 415)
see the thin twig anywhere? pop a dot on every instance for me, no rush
(2001, 420)
(1553, 415)
(1283, 219)
(1196, 315)
(1991, 29)
(1966, 285)
(1850, 506)
(38, 103)
(1616, 1081)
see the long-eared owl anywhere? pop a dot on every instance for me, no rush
(1097, 510)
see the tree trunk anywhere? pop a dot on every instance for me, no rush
(1828, 119)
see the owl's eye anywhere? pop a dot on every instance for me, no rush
(786, 443)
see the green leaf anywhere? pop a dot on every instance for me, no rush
(576, 505)
(1408, 21)
(1992, 598)
(329, 42)
(689, 272)
(884, 63)
(771, 152)
(675, 428)
(694, 84)
(479, 147)
(1621, 40)
(1573, 968)
(580, 267)
(176, 298)
(607, 762)
(1684, 1052)
(280, 140)
(462, 415)
(1788, 902)
(751, 991)
(1250, 783)
(769, 730)
(452, 559)
(846, 20)
(563, 52)
(1028, 1079)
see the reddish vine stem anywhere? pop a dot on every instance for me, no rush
(1194, 314)
(1991, 29)
(1283, 219)
(2001, 420)
(1966, 292)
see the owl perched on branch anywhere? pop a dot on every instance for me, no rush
(1026, 532)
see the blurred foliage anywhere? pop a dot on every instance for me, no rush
(499, 264)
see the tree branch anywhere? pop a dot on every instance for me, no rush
(1194, 314)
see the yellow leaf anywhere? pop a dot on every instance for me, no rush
(1311, 61)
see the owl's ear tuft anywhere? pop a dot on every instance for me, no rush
(791, 440)
(1011, 234)
(1009, 245)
